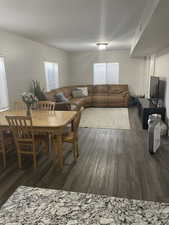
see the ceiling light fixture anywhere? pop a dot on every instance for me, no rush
(102, 45)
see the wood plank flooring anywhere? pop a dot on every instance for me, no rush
(112, 162)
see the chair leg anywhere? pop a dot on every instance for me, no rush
(77, 149)
(46, 142)
(19, 161)
(74, 150)
(59, 149)
(34, 161)
(4, 159)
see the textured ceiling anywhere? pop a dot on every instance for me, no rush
(73, 24)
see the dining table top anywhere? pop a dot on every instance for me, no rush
(48, 119)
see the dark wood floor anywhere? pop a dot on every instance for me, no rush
(112, 162)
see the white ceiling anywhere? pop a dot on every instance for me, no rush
(73, 24)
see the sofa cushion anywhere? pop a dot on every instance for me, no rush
(84, 90)
(100, 89)
(50, 95)
(77, 93)
(88, 100)
(117, 89)
(99, 99)
(59, 97)
(80, 92)
(100, 94)
(78, 101)
(82, 101)
(115, 98)
(90, 89)
(67, 92)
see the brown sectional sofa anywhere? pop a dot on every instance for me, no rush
(98, 95)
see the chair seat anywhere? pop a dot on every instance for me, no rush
(69, 137)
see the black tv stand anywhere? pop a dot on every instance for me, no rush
(146, 108)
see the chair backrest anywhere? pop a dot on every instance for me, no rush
(46, 105)
(19, 105)
(21, 127)
(76, 121)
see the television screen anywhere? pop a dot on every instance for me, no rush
(154, 87)
(162, 89)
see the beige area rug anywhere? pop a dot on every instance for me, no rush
(114, 118)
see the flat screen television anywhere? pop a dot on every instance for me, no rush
(154, 87)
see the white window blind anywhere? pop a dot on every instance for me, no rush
(99, 73)
(106, 73)
(4, 104)
(52, 75)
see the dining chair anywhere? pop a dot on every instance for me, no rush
(71, 133)
(6, 145)
(24, 137)
(46, 105)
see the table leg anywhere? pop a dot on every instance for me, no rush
(59, 149)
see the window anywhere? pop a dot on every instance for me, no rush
(3, 87)
(106, 73)
(52, 75)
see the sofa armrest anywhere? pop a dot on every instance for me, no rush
(126, 99)
(125, 93)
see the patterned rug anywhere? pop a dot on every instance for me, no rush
(114, 118)
(38, 206)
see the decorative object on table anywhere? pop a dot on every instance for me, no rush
(154, 132)
(29, 99)
(38, 91)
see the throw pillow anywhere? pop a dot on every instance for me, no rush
(77, 93)
(84, 91)
(59, 97)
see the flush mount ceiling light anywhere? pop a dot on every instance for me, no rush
(102, 45)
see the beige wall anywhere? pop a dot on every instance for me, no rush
(132, 71)
(24, 62)
(162, 70)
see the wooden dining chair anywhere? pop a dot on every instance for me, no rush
(6, 145)
(46, 105)
(24, 137)
(71, 134)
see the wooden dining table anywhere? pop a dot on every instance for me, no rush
(52, 123)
